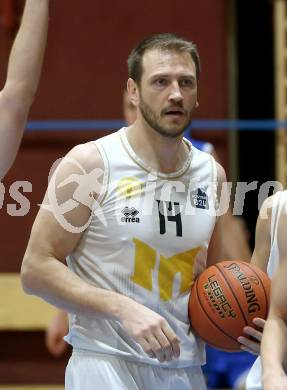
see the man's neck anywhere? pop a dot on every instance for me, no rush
(162, 153)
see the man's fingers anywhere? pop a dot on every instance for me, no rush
(165, 345)
(260, 322)
(252, 351)
(249, 345)
(156, 345)
(173, 339)
(152, 347)
(251, 332)
(147, 348)
(156, 348)
(251, 341)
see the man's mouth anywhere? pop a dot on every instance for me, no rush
(174, 112)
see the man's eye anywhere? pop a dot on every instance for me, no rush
(161, 82)
(186, 83)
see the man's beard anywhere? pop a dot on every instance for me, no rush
(153, 121)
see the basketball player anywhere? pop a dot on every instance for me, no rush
(23, 75)
(130, 269)
(58, 327)
(274, 343)
(235, 246)
(269, 254)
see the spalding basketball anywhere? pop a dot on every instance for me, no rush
(224, 299)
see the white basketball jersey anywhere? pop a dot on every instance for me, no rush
(253, 381)
(142, 242)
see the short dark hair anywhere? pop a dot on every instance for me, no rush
(160, 42)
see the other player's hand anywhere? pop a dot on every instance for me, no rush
(151, 331)
(55, 332)
(251, 342)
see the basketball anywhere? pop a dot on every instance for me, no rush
(224, 299)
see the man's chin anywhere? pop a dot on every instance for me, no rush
(176, 125)
(175, 130)
(171, 132)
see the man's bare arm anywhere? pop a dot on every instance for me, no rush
(259, 258)
(51, 242)
(215, 249)
(260, 255)
(274, 342)
(24, 69)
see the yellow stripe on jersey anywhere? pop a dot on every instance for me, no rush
(145, 260)
(169, 267)
(181, 263)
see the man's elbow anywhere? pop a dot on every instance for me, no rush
(29, 276)
(18, 96)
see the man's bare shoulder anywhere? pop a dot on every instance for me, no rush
(87, 156)
(263, 233)
(221, 175)
(264, 217)
(266, 208)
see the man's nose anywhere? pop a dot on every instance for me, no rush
(175, 93)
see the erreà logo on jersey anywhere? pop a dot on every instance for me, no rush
(130, 215)
(199, 199)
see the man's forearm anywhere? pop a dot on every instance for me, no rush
(273, 347)
(24, 68)
(26, 58)
(51, 280)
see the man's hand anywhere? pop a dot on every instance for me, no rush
(151, 331)
(251, 342)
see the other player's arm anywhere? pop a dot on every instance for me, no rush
(259, 258)
(234, 232)
(214, 253)
(45, 274)
(24, 68)
(261, 250)
(274, 342)
(215, 248)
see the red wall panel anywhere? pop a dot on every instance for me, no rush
(85, 69)
(85, 73)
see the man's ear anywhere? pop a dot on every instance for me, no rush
(133, 92)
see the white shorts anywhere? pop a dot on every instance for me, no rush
(89, 371)
(253, 380)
